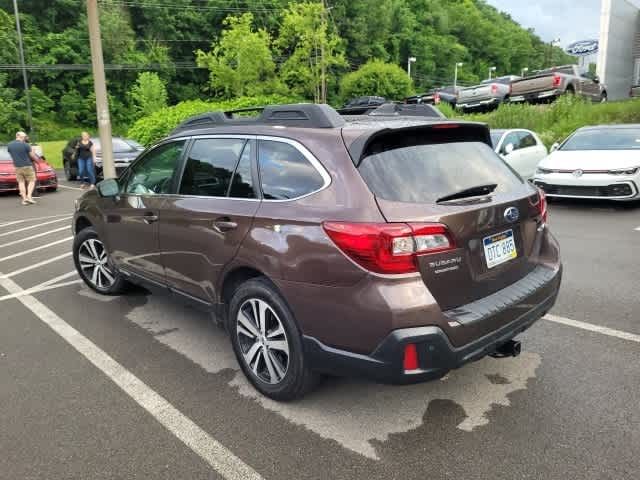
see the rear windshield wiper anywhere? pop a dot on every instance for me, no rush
(469, 192)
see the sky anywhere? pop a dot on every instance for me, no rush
(568, 20)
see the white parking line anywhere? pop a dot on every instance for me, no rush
(35, 249)
(33, 290)
(594, 328)
(25, 220)
(31, 227)
(15, 242)
(55, 280)
(70, 188)
(37, 265)
(637, 229)
(208, 448)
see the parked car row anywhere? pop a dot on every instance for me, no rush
(540, 86)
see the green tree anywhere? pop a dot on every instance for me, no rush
(312, 48)
(241, 62)
(377, 78)
(148, 95)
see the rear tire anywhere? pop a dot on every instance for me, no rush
(603, 97)
(94, 264)
(267, 342)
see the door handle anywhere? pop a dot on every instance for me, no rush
(149, 218)
(224, 224)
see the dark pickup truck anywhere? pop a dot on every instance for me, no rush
(547, 85)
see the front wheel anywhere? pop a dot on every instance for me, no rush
(267, 342)
(94, 265)
(603, 97)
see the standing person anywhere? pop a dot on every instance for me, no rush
(24, 161)
(35, 167)
(86, 161)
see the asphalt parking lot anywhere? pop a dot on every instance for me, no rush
(138, 386)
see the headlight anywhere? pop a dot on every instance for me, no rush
(46, 170)
(628, 171)
(543, 171)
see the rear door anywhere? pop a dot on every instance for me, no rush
(408, 180)
(203, 225)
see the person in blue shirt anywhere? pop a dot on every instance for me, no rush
(23, 160)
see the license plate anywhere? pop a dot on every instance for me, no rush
(499, 248)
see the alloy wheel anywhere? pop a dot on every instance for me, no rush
(263, 341)
(94, 263)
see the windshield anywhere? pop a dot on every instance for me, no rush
(4, 153)
(134, 144)
(604, 139)
(119, 145)
(424, 173)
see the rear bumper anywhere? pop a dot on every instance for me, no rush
(436, 354)
(533, 96)
(471, 104)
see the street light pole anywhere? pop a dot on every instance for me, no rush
(455, 74)
(409, 62)
(100, 86)
(524, 70)
(27, 92)
(491, 70)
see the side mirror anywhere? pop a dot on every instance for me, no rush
(596, 79)
(108, 188)
(509, 148)
(555, 146)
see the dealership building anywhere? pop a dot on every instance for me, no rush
(619, 46)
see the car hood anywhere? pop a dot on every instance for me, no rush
(6, 166)
(591, 159)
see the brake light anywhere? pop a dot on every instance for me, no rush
(542, 205)
(557, 80)
(444, 126)
(494, 88)
(436, 98)
(390, 248)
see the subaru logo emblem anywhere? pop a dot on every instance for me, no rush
(577, 173)
(512, 214)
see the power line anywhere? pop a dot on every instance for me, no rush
(108, 66)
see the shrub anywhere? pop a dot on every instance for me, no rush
(557, 121)
(154, 127)
(149, 94)
(376, 78)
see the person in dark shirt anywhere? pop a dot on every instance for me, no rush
(23, 160)
(86, 154)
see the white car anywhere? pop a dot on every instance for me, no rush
(521, 149)
(594, 162)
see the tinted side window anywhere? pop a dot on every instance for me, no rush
(285, 173)
(154, 173)
(242, 183)
(527, 140)
(513, 139)
(210, 165)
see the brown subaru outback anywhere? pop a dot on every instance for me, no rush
(389, 245)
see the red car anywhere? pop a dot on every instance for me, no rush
(47, 178)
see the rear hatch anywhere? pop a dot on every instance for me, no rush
(472, 94)
(493, 230)
(537, 83)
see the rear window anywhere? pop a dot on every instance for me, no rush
(604, 139)
(425, 173)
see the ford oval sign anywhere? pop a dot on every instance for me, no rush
(512, 214)
(582, 48)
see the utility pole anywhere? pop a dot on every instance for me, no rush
(100, 85)
(323, 67)
(410, 60)
(27, 92)
(455, 74)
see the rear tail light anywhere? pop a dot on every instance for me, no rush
(436, 98)
(410, 359)
(494, 88)
(542, 205)
(557, 80)
(390, 248)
